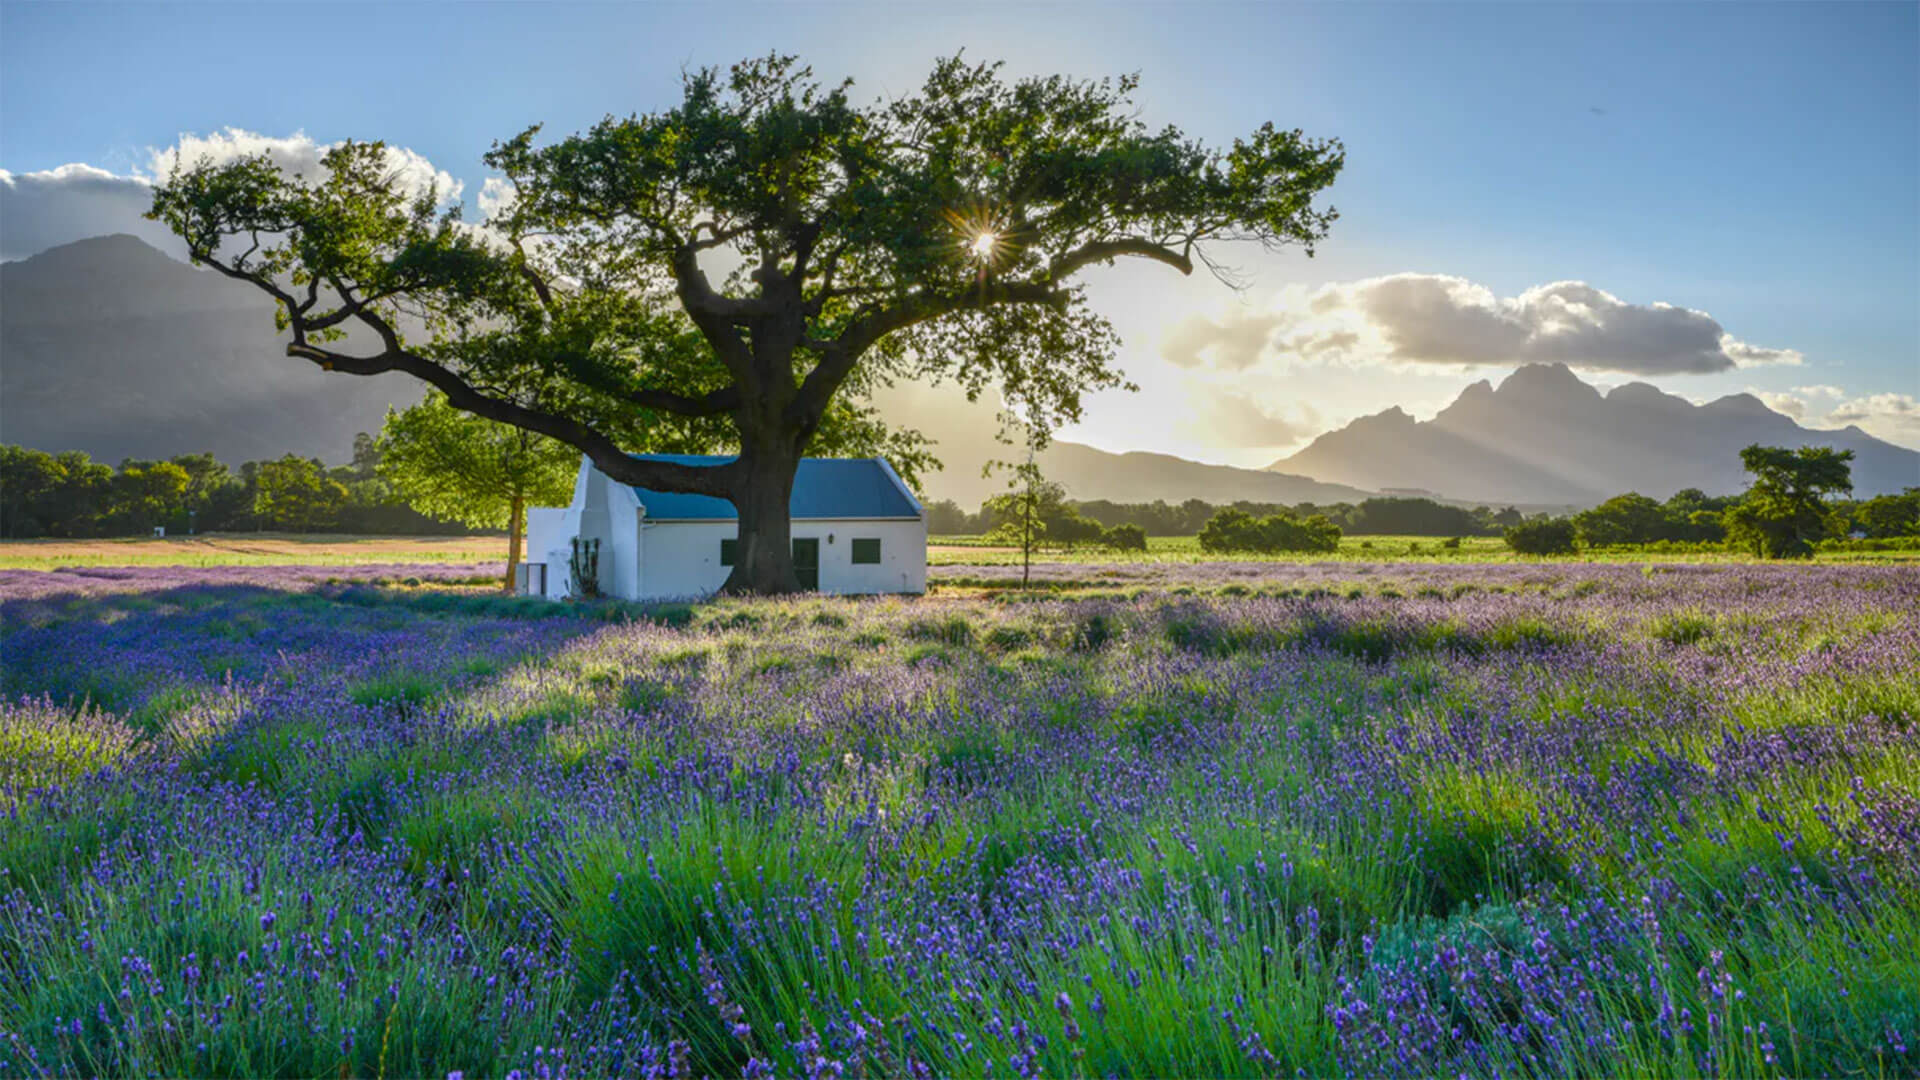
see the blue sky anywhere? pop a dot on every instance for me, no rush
(1757, 163)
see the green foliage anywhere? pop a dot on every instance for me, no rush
(1547, 536)
(583, 568)
(1236, 530)
(1888, 516)
(1785, 510)
(296, 494)
(1401, 516)
(46, 495)
(1624, 519)
(454, 465)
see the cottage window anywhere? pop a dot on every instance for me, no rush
(866, 552)
(727, 549)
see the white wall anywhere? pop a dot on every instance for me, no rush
(903, 555)
(549, 529)
(680, 559)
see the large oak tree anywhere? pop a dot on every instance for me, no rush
(743, 270)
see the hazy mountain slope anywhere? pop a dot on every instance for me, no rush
(1544, 436)
(109, 346)
(963, 432)
(1088, 473)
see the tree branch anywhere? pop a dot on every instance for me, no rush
(713, 403)
(1102, 250)
(841, 354)
(715, 480)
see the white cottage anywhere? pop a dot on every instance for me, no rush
(856, 529)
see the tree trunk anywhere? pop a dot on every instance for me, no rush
(516, 520)
(763, 555)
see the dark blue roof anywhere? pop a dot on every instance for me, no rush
(823, 488)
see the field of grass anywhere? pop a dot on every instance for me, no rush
(1219, 820)
(251, 549)
(974, 550)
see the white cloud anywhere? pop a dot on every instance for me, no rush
(497, 196)
(1894, 417)
(41, 210)
(1432, 319)
(1820, 391)
(298, 155)
(1891, 416)
(1779, 401)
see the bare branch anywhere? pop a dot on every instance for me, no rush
(1102, 250)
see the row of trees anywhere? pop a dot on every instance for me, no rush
(71, 495)
(433, 469)
(1792, 505)
(1382, 516)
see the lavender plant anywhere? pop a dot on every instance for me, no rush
(1235, 820)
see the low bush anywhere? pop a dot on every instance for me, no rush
(1233, 530)
(1551, 537)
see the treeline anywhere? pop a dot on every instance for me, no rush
(1694, 518)
(1789, 509)
(1382, 516)
(71, 495)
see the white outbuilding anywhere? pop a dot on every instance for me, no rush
(856, 529)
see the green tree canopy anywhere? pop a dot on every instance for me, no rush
(935, 235)
(1887, 516)
(296, 494)
(1542, 536)
(1785, 511)
(1233, 529)
(457, 466)
(1632, 518)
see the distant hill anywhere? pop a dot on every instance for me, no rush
(109, 346)
(962, 433)
(1545, 437)
(1137, 476)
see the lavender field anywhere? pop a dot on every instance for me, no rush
(1559, 820)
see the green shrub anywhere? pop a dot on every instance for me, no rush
(1233, 530)
(1554, 536)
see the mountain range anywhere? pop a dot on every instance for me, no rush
(1545, 436)
(110, 346)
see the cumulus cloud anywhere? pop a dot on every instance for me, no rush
(41, 210)
(497, 196)
(1784, 402)
(1894, 417)
(1432, 319)
(298, 155)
